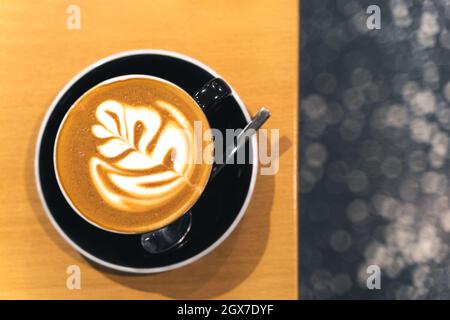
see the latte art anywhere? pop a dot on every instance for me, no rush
(145, 154)
(124, 154)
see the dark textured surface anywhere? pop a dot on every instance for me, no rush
(374, 135)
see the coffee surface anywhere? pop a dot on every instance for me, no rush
(127, 157)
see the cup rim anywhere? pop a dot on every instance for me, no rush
(46, 118)
(55, 168)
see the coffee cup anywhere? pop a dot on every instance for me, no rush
(112, 151)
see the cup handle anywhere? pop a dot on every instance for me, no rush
(211, 93)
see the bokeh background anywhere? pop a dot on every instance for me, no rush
(374, 136)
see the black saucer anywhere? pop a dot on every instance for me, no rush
(214, 215)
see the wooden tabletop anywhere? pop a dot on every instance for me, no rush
(251, 43)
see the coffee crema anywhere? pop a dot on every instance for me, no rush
(124, 154)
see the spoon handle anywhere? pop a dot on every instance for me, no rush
(246, 133)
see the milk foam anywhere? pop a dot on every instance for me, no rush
(131, 171)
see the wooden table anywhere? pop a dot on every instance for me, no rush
(253, 44)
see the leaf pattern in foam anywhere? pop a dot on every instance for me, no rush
(117, 124)
(125, 133)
